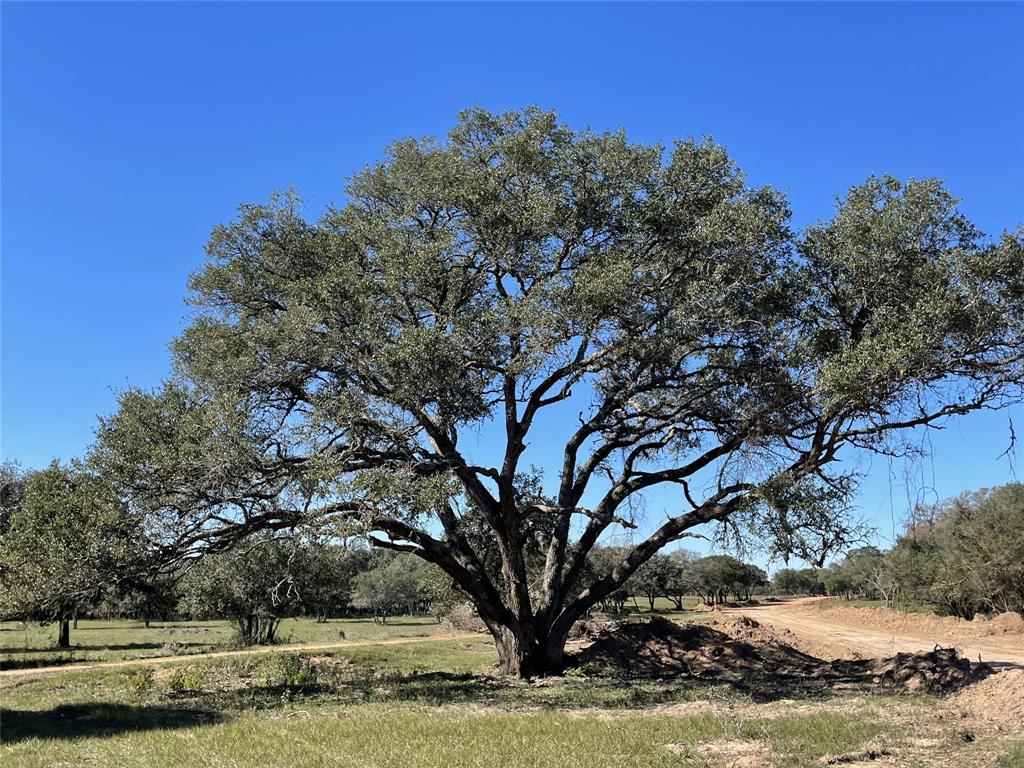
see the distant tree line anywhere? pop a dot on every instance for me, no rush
(71, 548)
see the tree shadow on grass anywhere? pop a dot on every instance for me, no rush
(97, 647)
(80, 721)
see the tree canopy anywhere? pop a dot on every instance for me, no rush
(67, 538)
(657, 312)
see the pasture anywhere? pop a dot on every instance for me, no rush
(437, 701)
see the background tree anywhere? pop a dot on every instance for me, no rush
(752, 579)
(683, 579)
(438, 592)
(980, 552)
(68, 538)
(655, 577)
(792, 581)
(250, 585)
(863, 569)
(603, 559)
(718, 575)
(147, 599)
(522, 271)
(322, 575)
(389, 587)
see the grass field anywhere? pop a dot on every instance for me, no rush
(438, 703)
(28, 645)
(434, 702)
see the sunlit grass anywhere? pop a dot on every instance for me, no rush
(29, 644)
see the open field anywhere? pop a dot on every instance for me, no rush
(29, 645)
(435, 701)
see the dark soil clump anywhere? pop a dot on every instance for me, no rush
(754, 658)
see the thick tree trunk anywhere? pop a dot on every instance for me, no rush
(521, 656)
(64, 634)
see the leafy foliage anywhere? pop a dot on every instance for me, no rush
(68, 538)
(250, 585)
(521, 270)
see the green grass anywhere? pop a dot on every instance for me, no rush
(1014, 757)
(439, 703)
(380, 735)
(436, 703)
(428, 704)
(29, 645)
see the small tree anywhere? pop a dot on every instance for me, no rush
(68, 538)
(323, 575)
(251, 585)
(438, 592)
(655, 578)
(389, 587)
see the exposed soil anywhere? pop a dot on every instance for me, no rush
(869, 754)
(828, 630)
(998, 699)
(917, 623)
(742, 627)
(734, 753)
(758, 658)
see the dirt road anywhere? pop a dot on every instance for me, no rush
(999, 651)
(161, 660)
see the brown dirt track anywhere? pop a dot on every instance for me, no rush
(835, 636)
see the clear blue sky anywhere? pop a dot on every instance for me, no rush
(129, 130)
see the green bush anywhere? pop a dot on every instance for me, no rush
(187, 679)
(138, 681)
(289, 671)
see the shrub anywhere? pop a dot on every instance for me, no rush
(187, 679)
(138, 681)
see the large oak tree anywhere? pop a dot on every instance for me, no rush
(659, 317)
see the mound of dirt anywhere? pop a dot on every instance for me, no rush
(1011, 621)
(999, 698)
(750, 630)
(739, 648)
(590, 629)
(661, 648)
(941, 670)
(898, 622)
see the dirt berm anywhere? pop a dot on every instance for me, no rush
(752, 655)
